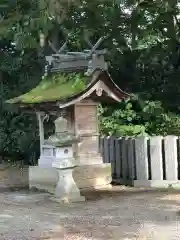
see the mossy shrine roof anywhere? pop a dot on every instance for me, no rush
(59, 86)
(68, 88)
(71, 77)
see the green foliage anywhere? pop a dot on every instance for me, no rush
(144, 51)
(18, 130)
(138, 118)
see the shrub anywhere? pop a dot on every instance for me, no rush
(135, 117)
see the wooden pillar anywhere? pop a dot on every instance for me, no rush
(40, 117)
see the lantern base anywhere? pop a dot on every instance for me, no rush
(66, 188)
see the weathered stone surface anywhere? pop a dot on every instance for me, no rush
(12, 177)
(86, 118)
(170, 147)
(92, 171)
(86, 126)
(85, 176)
(94, 183)
(156, 158)
(93, 176)
(43, 178)
(89, 159)
(161, 184)
(88, 144)
(66, 188)
(141, 158)
(131, 158)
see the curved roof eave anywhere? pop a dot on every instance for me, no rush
(91, 88)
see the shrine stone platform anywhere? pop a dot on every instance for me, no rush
(86, 176)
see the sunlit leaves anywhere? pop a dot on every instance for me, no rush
(135, 119)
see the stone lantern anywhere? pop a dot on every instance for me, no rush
(64, 161)
(75, 83)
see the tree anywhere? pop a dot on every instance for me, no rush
(21, 68)
(142, 39)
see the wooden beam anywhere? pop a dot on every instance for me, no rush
(40, 117)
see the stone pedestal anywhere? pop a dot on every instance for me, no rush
(86, 177)
(66, 188)
(92, 172)
(64, 169)
(43, 179)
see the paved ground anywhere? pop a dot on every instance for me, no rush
(119, 214)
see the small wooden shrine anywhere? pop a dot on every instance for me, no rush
(71, 89)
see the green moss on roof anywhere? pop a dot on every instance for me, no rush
(53, 88)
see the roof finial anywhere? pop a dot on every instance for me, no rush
(88, 60)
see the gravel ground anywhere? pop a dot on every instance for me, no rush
(120, 213)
